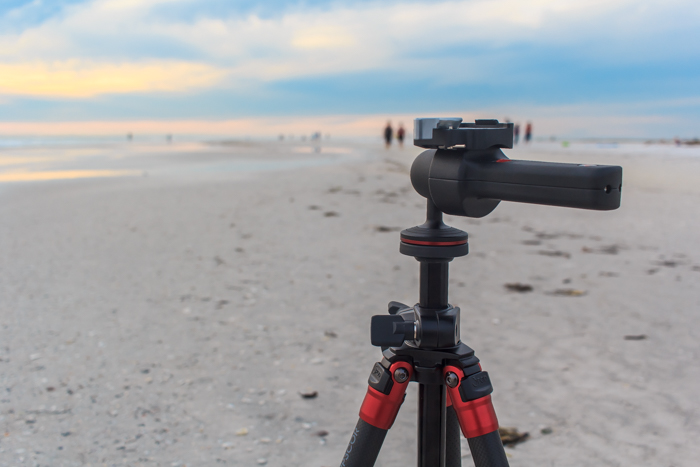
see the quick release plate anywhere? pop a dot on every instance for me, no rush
(445, 133)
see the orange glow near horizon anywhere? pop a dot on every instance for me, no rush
(80, 79)
(343, 125)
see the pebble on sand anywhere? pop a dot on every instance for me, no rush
(637, 337)
(568, 293)
(518, 287)
(309, 394)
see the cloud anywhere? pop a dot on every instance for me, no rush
(312, 57)
(80, 79)
(336, 39)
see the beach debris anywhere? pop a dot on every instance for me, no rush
(636, 337)
(384, 228)
(604, 250)
(335, 189)
(331, 334)
(667, 263)
(568, 293)
(309, 394)
(66, 433)
(518, 287)
(219, 261)
(321, 433)
(556, 253)
(608, 274)
(652, 271)
(50, 389)
(220, 304)
(242, 432)
(532, 242)
(510, 436)
(262, 461)
(552, 236)
(313, 207)
(331, 214)
(546, 431)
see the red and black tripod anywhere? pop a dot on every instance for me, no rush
(422, 344)
(463, 173)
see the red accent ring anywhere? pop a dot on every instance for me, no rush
(504, 160)
(419, 242)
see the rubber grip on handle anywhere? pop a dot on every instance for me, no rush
(364, 445)
(487, 450)
(555, 184)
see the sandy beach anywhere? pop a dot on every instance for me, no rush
(168, 304)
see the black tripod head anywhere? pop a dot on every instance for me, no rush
(465, 173)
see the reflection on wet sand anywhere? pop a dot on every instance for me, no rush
(180, 160)
(63, 175)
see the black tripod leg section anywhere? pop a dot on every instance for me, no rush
(487, 450)
(364, 445)
(453, 439)
(385, 394)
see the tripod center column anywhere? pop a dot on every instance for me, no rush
(434, 279)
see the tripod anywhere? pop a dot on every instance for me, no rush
(463, 173)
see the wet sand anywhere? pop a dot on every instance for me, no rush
(172, 314)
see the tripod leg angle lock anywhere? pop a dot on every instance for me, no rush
(464, 173)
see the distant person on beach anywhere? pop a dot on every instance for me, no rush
(528, 132)
(516, 133)
(388, 134)
(400, 134)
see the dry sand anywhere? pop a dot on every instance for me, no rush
(174, 317)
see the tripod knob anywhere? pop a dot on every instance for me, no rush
(391, 331)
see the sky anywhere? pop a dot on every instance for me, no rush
(578, 68)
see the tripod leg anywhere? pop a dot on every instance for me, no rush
(385, 394)
(470, 390)
(453, 445)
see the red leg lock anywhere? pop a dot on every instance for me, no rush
(379, 409)
(476, 417)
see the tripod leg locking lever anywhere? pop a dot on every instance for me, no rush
(471, 399)
(385, 394)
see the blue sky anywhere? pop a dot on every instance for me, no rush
(582, 67)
